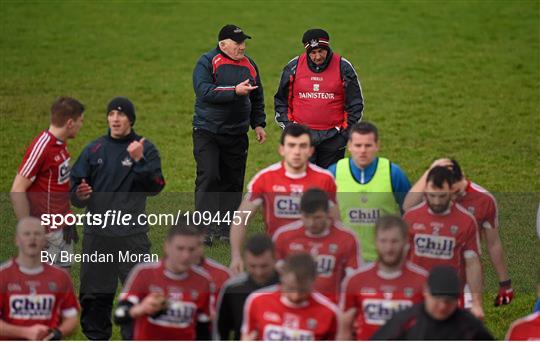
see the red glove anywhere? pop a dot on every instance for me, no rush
(506, 293)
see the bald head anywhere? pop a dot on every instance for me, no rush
(29, 223)
(30, 237)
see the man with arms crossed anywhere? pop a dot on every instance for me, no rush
(373, 294)
(444, 233)
(278, 189)
(36, 300)
(483, 206)
(292, 310)
(42, 182)
(260, 261)
(169, 300)
(334, 247)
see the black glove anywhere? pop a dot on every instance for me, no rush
(70, 234)
(54, 335)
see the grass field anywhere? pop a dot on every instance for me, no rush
(457, 78)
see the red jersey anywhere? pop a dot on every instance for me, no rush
(275, 318)
(42, 295)
(336, 251)
(317, 99)
(378, 295)
(189, 297)
(218, 273)
(481, 204)
(46, 164)
(280, 192)
(525, 329)
(442, 239)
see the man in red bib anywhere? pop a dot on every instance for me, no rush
(320, 89)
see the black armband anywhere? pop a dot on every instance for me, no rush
(54, 335)
(121, 314)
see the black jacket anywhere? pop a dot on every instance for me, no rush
(354, 101)
(118, 182)
(217, 107)
(415, 324)
(230, 304)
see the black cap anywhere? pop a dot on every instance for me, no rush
(123, 104)
(316, 38)
(444, 282)
(232, 32)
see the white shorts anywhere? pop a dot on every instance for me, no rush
(56, 244)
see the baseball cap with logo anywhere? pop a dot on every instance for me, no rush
(443, 281)
(124, 105)
(232, 32)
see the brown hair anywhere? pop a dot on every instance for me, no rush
(65, 108)
(302, 265)
(391, 221)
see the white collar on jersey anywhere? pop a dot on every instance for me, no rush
(295, 175)
(388, 275)
(31, 271)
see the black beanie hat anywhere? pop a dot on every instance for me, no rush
(316, 38)
(122, 104)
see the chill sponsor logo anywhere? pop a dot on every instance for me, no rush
(33, 306)
(287, 207)
(313, 95)
(279, 333)
(63, 172)
(179, 314)
(325, 265)
(378, 311)
(437, 247)
(363, 215)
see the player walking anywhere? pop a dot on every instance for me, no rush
(291, 311)
(278, 189)
(42, 182)
(374, 293)
(483, 206)
(334, 247)
(169, 300)
(36, 300)
(444, 233)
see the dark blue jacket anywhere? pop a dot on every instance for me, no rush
(217, 107)
(118, 182)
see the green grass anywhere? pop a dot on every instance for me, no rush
(458, 78)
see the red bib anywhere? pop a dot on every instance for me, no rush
(318, 99)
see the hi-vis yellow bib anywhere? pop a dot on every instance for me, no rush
(362, 204)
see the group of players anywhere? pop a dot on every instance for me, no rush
(306, 276)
